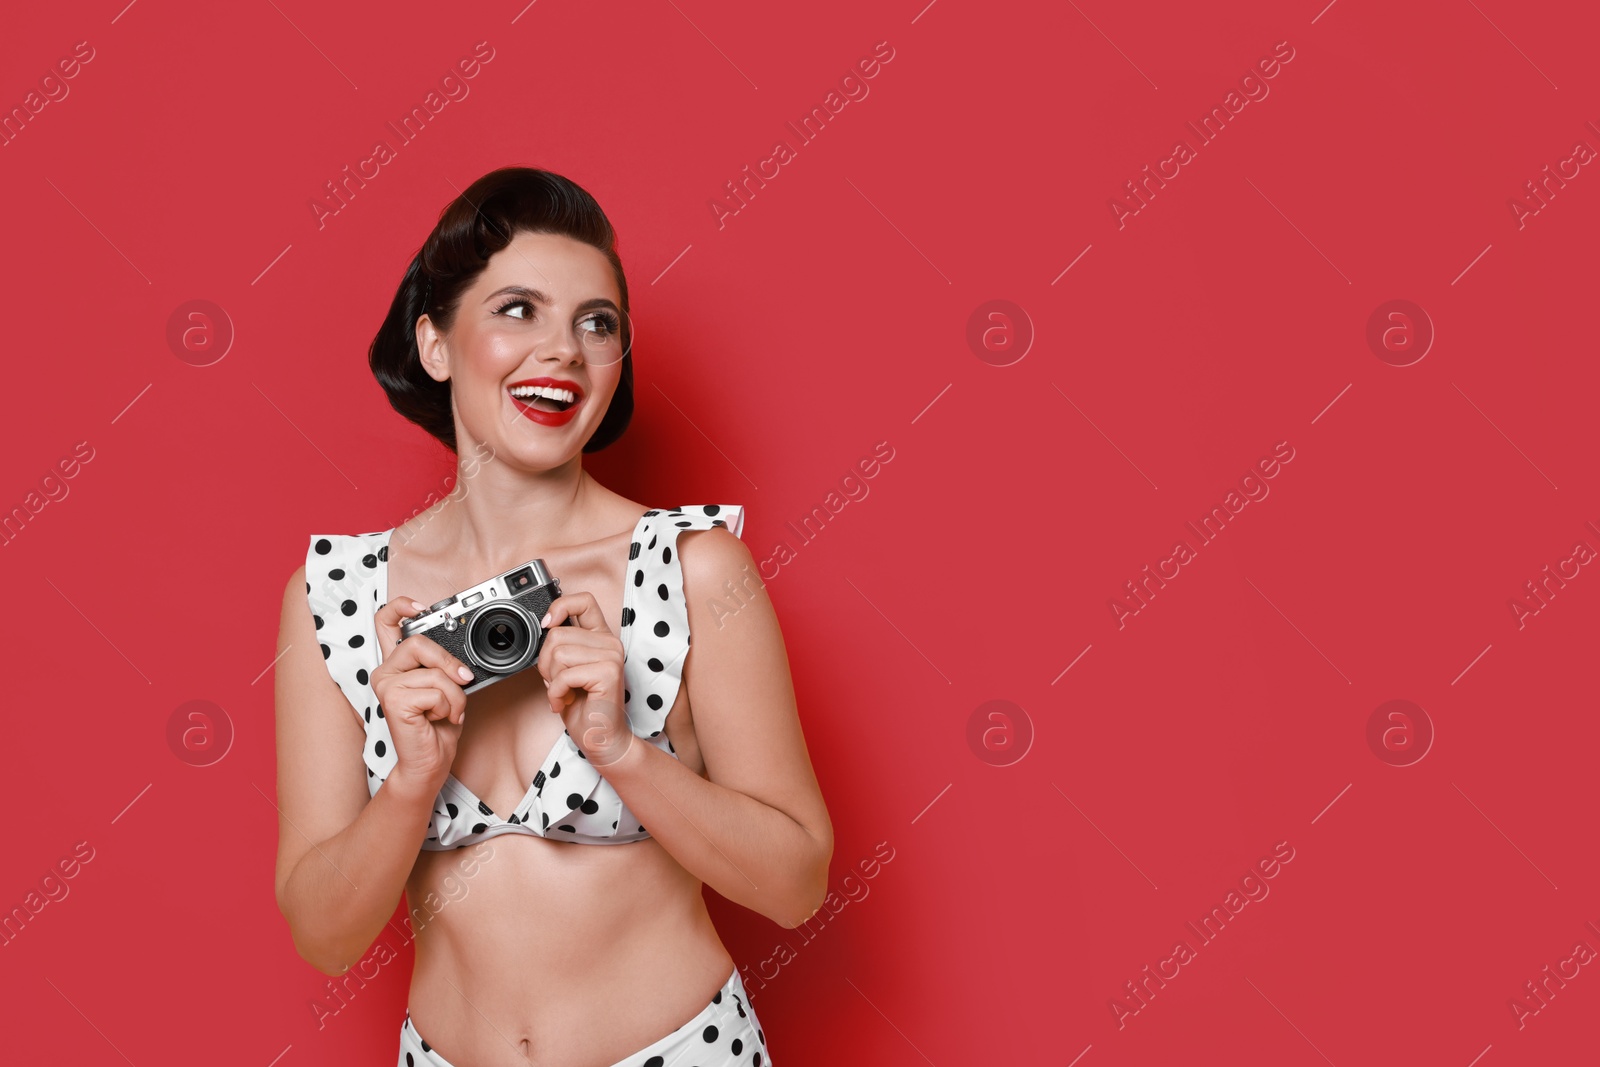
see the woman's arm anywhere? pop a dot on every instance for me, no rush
(756, 829)
(343, 859)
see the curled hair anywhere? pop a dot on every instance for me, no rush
(471, 229)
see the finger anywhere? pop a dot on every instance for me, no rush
(434, 679)
(451, 701)
(569, 645)
(574, 635)
(400, 607)
(572, 653)
(582, 608)
(388, 618)
(431, 705)
(596, 678)
(557, 688)
(420, 650)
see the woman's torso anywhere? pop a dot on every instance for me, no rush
(536, 951)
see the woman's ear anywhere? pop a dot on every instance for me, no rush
(431, 351)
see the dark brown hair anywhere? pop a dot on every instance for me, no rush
(471, 229)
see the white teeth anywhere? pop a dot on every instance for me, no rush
(527, 391)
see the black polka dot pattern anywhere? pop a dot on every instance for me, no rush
(347, 580)
(725, 1033)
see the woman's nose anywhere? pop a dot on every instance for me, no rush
(563, 348)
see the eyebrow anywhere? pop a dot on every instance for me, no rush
(535, 296)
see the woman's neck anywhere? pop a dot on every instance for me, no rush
(496, 516)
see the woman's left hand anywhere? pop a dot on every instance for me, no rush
(582, 667)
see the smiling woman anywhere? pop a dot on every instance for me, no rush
(533, 204)
(510, 336)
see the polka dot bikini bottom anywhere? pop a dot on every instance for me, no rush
(725, 1033)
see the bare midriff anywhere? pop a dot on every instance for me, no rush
(554, 952)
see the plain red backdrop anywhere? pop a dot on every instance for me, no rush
(776, 347)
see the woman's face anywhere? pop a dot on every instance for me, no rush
(544, 315)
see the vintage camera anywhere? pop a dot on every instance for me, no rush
(492, 627)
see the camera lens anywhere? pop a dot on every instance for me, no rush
(500, 638)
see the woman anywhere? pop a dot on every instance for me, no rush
(509, 341)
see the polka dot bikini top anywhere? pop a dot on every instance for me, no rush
(567, 800)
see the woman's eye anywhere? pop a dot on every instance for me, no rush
(599, 324)
(504, 308)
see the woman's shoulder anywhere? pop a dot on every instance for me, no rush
(662, 555)
(707, 561)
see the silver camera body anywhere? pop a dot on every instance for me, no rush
(493, 627)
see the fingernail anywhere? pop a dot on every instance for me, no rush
(466, 675)
(546, 620)
(419, 607)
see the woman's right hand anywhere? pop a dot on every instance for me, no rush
(418, 685)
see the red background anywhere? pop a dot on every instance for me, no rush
(831, 313)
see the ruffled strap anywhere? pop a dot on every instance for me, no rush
(344, 588)
(657, 612)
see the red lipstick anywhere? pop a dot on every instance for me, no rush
(548, 418)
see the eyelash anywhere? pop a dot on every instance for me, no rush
(612, 324)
